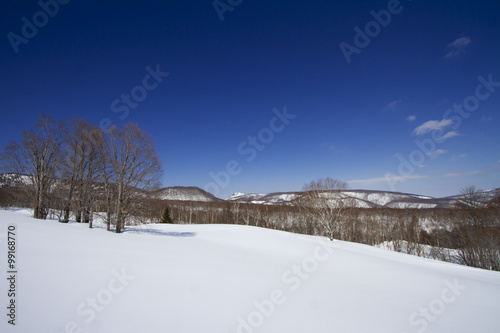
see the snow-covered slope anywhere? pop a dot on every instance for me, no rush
(13, 180)
(184, 193)
(484, 195)
(271, 198)
(361, 198)
(190, 193)
(365, 199)
(229, 278)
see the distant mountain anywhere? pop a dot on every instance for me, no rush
(182, 193)
(269, 199)
(365, 199)
(14, 180)
(361, 198)
(485, 195)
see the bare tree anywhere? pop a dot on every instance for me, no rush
(325, 201)
(106, 178)
(39, 157)
(472, 202)
(135, 165)
(93, 138)
(75, 190)
(476, 231)
(74, 162)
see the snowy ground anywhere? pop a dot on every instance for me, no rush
(425, 251)
(226, 278)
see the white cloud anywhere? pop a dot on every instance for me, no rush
(448, 135)
(411, 118)
(432, 125)
(392, 105)
(460, 42)
(328, 145)
(437, 152)
(454, 157)
(457, 47)
(461, 174)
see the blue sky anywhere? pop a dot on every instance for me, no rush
(276, 94)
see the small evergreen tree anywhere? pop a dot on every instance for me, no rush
(166, 216)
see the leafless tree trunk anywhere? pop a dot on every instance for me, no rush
(74, 163)
(39, 156)
(106, 178)
(135, 165)
(79, 170)
(93, 138)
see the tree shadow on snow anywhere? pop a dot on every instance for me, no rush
(159, 232)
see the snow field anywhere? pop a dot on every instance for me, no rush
(231, 278)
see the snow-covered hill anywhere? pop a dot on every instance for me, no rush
(361, 198)
(485, 195)
(182, 193)
(14, 180)
(271, 198)
(231, 278)
(366, 199)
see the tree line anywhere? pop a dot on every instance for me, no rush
(467, 234)
(76, 167)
